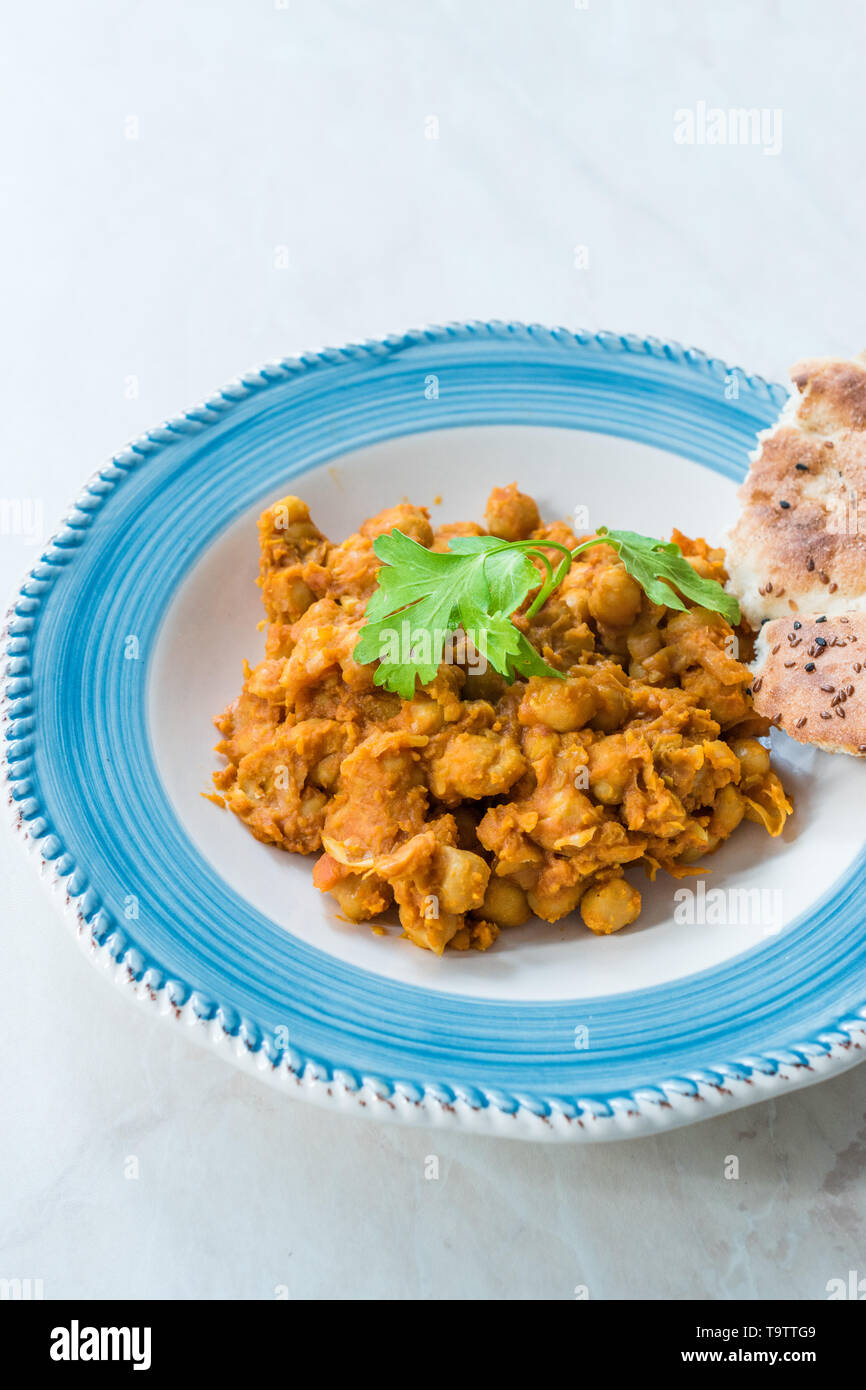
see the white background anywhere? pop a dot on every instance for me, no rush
(282, 193)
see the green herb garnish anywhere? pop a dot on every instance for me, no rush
(424, 596)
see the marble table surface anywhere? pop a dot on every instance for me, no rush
(193, 189)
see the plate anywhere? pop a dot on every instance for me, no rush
(130, 634)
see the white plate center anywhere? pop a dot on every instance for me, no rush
(211, 627)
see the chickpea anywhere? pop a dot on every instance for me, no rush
(550, 906)
(609, 769)
(474, 765)
(287, 524)
(312, 803)
(327, 771)
(525, 874)
(560, 705)
(728, 810)
(510, 514)
(576, 600)
(616, 598)
(644, 640)
(607, 907)
(704, 846)
(286, 595)
(614, 706)
(422, 715)
(442, 535)
(360, 898)
(539, 742)
(505, 903)
(753, 757)
(412, 521)
(461, 879)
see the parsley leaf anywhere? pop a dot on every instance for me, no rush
(504, 646)
(656, 565)
(510, 573)
(425, 597)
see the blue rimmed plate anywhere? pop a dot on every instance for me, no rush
(130, 633)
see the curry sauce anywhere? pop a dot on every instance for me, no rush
(479, 803)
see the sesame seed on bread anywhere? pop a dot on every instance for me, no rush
(798, 546)
(810, 679)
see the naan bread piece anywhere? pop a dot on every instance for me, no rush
(810, 680)
(799, 545)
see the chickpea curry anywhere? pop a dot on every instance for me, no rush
(622, 734)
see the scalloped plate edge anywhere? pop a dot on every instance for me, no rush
(629, 1116)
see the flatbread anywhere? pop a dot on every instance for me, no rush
(811, 680)
(799, 545)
